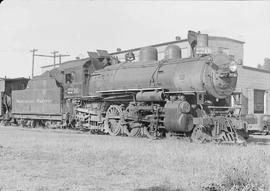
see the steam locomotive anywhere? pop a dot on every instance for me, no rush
(149, 97)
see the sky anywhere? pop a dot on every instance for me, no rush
(74, 27)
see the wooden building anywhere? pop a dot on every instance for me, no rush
(253, 95)
(254, 85)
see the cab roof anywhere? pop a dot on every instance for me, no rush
(74, 63)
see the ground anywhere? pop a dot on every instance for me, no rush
(60, 160)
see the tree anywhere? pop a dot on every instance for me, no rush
(266, 64)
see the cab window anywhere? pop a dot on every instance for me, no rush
(70, 77)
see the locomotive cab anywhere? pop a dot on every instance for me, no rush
(76, 76)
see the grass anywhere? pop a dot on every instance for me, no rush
(53, 160)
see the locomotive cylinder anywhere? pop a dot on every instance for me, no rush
(150, 96)
(177, 117)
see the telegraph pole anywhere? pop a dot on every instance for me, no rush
(60, 57)
(54, 57)
(33, 60)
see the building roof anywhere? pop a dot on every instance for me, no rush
(69, 62)
(154, 45)
(255, 69)
(225, 38)
(14, 79)
(177, 41)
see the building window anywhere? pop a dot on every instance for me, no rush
(259, 101)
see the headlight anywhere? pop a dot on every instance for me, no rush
(233, 66)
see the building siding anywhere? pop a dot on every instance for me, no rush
(248, 80)
(234, 48)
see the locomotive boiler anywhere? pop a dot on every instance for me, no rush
(215, 75)
(148, 97)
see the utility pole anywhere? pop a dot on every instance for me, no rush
(60, 57)
(33, 60)
(60, 60)
(54, 57)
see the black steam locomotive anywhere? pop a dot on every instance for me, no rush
(149, 97)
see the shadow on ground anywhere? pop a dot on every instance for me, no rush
(158, 188)
(259, 139)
